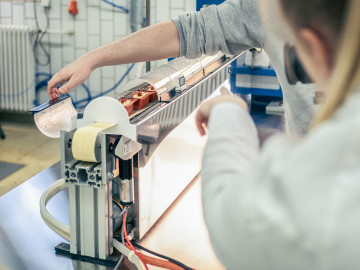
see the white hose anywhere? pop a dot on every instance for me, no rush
(130, 254)
(53, 223)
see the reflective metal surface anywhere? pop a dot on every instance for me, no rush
(171, 152)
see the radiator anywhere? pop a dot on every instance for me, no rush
(17, 67)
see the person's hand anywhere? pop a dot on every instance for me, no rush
(73, 74)
(203, 113)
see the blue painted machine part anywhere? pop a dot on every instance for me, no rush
(201, 3)
(258, 71)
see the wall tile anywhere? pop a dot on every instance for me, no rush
(68, 53)
(93, 2)
(81, 93)
(41, 16)
(5, 9)
(31, 23)
(44, 69)
(18, 14)
(177, 4)
(55, 39)
(4, 20)
(29, 10)
(108, 71)
(120, 70)
(162, 11)
(81, 36)
(107, 34)
(190, 5)
(153, 15)
(94, 42)
(119, 73)
(107, 84)
(82, 7)
(174, 13)
(93, 20)
(55, 9)
(106, 11)
(80, 52)
(67, 19)
(68, 40)
(56, 60)
(120, 24)
(95, 81)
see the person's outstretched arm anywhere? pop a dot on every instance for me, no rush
(231, 27)
(152, 43)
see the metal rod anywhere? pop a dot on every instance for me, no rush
(148, 17)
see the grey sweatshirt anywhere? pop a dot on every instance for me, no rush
(236, 26)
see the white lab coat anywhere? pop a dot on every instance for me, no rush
(295, 205)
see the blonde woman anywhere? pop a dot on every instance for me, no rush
(296, 203)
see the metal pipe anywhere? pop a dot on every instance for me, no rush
(136, 15)
(148, 17)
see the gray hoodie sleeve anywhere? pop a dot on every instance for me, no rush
(232, 27)
(236, 26)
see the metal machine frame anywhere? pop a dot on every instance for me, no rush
(145, 161)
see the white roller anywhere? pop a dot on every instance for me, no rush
(108, 110)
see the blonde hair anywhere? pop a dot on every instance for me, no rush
(346, 73)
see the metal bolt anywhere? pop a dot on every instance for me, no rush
(111, 148)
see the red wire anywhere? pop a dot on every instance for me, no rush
(129, 243)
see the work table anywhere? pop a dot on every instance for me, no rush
(26, 242)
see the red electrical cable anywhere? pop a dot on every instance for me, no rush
(129, 243)
(159, 262)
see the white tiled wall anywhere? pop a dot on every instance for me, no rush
(97, 23)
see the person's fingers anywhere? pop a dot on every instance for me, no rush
(66, 88)
(57, 79)
(199, 120)
(224, 91)
(201, 129)
(54, 93)
(204, 128)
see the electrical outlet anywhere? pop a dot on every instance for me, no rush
(45, 3)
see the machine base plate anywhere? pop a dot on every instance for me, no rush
(64, 249)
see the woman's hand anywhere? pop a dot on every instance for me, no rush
(73, 74)
(203, 113)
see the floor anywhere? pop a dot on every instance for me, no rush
(24, 144)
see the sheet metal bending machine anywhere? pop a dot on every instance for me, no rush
(140, 150)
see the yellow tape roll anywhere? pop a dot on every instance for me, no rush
(84, 141)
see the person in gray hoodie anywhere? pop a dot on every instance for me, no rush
(231, 27)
